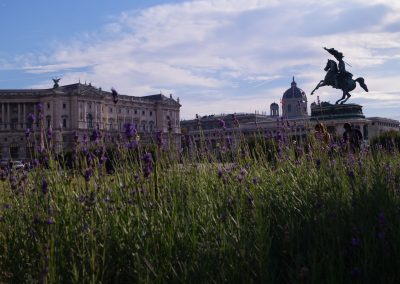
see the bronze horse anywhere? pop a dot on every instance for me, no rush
(347, 84)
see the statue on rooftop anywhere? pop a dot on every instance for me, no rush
(56, 80)
(338, 77)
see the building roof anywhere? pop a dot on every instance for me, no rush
(82, 89)
(294, 92)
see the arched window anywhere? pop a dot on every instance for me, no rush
(48, 121)
(143, 126)
(89, 120)
(111, 123)
(151, 126)
(64, 121)
(289, 108)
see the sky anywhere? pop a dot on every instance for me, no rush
(217, 56)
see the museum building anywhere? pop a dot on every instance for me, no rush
(294, 121)
(78, 109)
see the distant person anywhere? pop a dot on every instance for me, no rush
(321, 134)
(352, 136)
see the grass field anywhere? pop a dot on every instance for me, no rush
(274, 212)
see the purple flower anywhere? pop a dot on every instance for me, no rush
(27, 132)
(147, 158)
(134, 144)
(88, 174)
(221, 123)
(220, 173)
(96, 135)
(255, 180)
(147, 164)
(76, 137)
(355, 242)
(381, 219)
(39, 107)
(130, 130)
(351, 174)
(45, 187)
(31, 118)
(159, 139)
(318, 163)
(50, 221)
(35, 162)
(49, 133)
(103, 159)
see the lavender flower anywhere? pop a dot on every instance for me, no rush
(235, 120)
(130, 130)
(318, 163)
(220, 173)
(49, 133)
(159, 139)
(45, 187)
(31, 118)
(27, 132)
(39, 107)
(147, 164)
(132, 145)
(76, 137)
(88, 174)
(222, 123)
(355, 242)
(96, 135)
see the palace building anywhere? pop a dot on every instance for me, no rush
(78, 109)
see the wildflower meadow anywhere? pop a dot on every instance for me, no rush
(264, 210)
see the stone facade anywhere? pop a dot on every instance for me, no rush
(295, 121)
(80, 108)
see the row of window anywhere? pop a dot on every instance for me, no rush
(386, 124)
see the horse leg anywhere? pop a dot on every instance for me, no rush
(344, 94)
(320, 84)
(348, 97)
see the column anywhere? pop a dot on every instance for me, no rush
(24, 115)
(3, 117)
(8, 116)
(19, 117)
(84, 112)
(95, 121)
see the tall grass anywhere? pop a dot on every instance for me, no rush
(268, 212)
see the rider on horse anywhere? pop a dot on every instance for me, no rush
(342, 74)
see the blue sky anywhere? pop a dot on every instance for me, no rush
(217, 56)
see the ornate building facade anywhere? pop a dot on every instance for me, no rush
(78, 109)
(294, 121)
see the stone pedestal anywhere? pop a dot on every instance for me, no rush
(327, 111)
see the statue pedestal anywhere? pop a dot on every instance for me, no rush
(327, 111)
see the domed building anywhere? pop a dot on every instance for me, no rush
(294, 102)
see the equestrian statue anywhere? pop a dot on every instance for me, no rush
(338, 78)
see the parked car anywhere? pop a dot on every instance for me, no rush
(17, 165)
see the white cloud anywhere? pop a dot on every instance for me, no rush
(239, 52)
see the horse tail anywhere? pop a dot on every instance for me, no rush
(360, 81)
